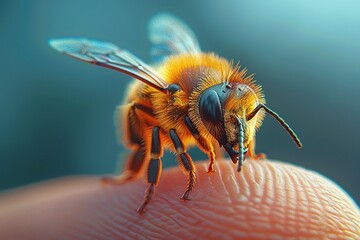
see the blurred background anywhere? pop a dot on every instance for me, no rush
(56, 114)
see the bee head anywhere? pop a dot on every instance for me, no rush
(220, 109)
(231, 114)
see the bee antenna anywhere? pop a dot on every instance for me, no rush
(279, 119)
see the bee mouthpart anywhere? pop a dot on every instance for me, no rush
(234, 155)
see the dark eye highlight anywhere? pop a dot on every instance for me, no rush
(210, 107)
(211, 113)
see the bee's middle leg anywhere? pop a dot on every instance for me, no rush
(154, 168)
(185, 161)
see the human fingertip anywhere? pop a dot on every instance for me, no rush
(267, 199)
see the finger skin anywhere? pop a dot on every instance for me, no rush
(267, 200)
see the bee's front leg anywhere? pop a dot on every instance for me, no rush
(251, 152)
(185, 161)
(202, 142)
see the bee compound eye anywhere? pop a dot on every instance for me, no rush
(211, 112)
(210, 107)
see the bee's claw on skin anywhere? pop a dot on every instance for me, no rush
(107, 181)
(141, 209)
(185, 199)
(211, 168)
(260, 156)
(117, 180)
(185, 196)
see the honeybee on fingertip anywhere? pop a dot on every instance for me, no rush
(187, 98)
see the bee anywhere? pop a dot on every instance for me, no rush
(187, 98)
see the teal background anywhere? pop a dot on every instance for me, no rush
(56, 114)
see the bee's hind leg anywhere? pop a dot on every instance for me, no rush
(135, 136)
(134, 165)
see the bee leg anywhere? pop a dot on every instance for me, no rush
(134, 129)
(186, 162)
(202, 142)
(154, 168)
(212, 161)
(210, 151)
(135, 162)
(251, 152)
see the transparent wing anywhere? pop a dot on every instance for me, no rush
(170, 36)
(110, 56)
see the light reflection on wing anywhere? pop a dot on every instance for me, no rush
(110, 56)
(170, 36)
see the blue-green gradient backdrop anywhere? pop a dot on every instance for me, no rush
(56, 114)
